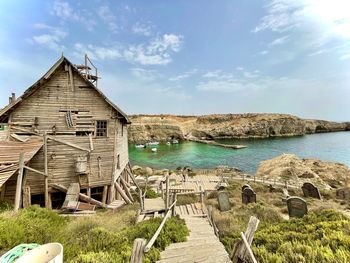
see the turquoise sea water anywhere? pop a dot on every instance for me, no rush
(326, 146)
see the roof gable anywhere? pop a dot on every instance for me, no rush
(47, 76)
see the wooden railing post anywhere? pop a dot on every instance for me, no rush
(201, 196)
(173, 213)
(137, 250)
(167, 193)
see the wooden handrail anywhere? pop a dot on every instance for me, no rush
(156, 234)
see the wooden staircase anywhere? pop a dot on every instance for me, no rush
(202, 244)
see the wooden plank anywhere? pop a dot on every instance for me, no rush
(137, 250)
(19, 182)
(81, 196)
(68, 143)
(250, 252)
(126, 189)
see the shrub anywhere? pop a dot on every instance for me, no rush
(317, 237)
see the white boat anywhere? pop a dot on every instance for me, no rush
(140, 146)
(168, 143)
(153, 143)
(175, 141)
(48, 253)
(154, 149)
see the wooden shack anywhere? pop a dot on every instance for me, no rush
(70, 132)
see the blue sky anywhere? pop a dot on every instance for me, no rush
(189, 57)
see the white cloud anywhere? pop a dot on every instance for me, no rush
(106, 14)
(144, 74)
(97, 52)
(317, 23)
(157, 52)
(240, 68)
(264, 52)
(173, 93)
(51, 38)
(185, 75)
(278, 41)
(247, 81)
(63, 10)
(142, 29)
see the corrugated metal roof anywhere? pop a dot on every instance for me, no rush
(9, 156)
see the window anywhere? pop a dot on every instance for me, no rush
(101, 128)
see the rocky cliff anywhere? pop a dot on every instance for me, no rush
(294, 169)
(216, 126)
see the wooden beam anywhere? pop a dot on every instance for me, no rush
(104, 194)
(68, 143)
(34, 170)
(81, 196)
(3, 190)
(71, 79)
(91, 143)
(46, 179)
(19, 182)
(26, 196)
(126, 189)
(122, 193)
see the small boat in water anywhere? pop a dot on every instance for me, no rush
(139, 146)
(175, 141)
(168, 143)
(154, 150)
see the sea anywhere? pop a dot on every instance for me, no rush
(333, 147)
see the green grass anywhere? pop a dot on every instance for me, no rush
(105, 237)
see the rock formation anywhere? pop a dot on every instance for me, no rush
(165, 127)
(294, 169)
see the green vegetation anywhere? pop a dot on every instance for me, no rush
(150, 193)
(105, 237)
(187, 199)
(317, 237)
(320, 236)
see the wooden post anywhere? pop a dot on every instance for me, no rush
(26, 197)
(88, 192)
(167, 193)
(137, 250)
(201, 196)
(19, 182)
(104, 194)
(141, 200)
(173, 213)
(46, 179)
(122, 193)
(3, 190)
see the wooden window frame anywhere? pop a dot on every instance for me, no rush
(96, 128)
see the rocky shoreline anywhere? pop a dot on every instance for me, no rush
(226, 126)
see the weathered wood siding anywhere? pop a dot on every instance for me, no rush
(47, 107)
